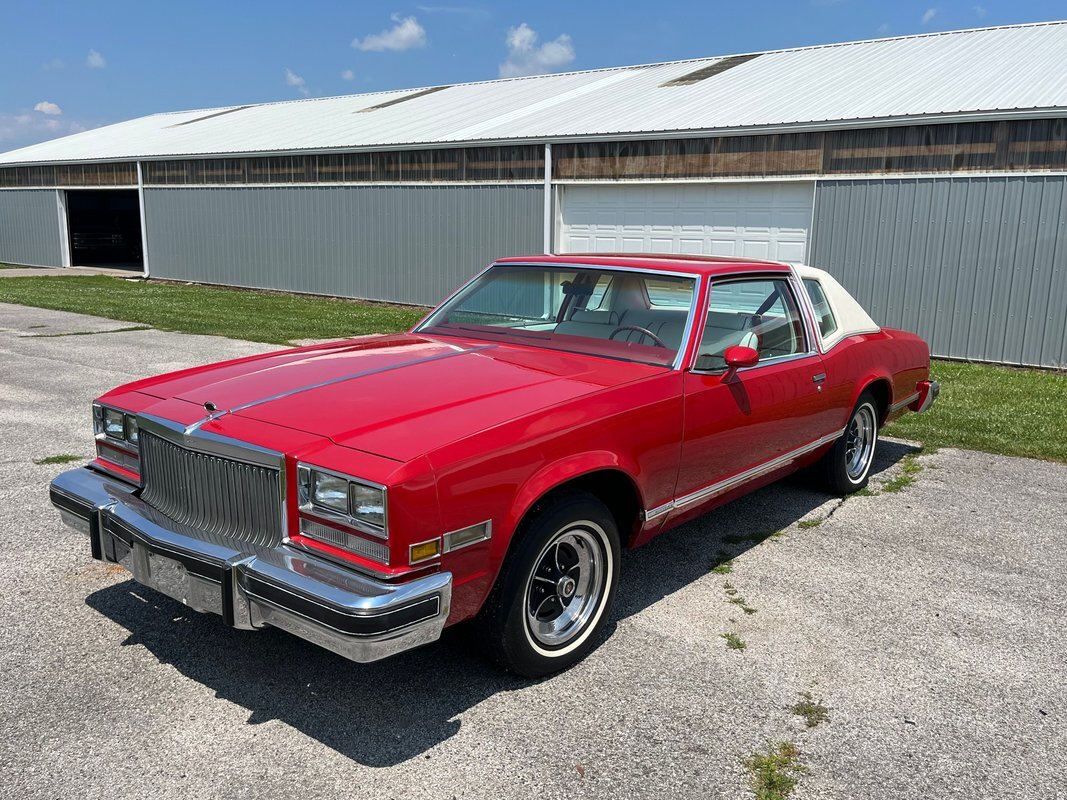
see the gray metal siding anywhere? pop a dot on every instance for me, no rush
(978, 266)
(410, 244)
(29, 228)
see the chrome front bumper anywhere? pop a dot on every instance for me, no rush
(354, 615)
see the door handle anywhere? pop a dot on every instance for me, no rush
(818, 378)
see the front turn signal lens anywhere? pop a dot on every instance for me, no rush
(424, 551)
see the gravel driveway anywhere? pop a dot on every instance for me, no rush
(929, 621)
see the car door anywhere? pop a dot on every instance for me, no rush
(740, 423)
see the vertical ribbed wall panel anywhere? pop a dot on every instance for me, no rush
(410, 244)
(29, 228)
(978, 266)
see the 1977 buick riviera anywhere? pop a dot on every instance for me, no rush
(490, 464)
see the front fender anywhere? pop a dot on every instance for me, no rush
(554, 475)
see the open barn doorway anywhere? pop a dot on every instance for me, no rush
(105, 228)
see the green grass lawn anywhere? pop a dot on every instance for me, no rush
(997, 409)
(1017, 412)
(256, 316)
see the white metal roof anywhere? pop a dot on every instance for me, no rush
(1016, 70)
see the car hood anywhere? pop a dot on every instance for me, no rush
(395, 396)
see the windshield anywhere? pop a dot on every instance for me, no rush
(632, 316)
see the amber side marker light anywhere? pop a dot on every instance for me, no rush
(424, 551)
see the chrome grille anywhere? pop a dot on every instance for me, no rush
(217, 495)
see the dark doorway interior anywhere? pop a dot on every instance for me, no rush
(105, 228)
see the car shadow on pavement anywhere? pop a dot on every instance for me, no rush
(679, 557)
(385, 713)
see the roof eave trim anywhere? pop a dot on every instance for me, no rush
(694, 133)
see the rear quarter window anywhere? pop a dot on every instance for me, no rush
(823, 312)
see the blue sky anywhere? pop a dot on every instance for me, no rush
(77, 65)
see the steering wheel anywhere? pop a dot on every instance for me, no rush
(643, 331)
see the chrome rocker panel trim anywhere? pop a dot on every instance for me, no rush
(728, 484)
(354, 615)
(907, 401)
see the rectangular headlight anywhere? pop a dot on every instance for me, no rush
(350, 501)
(368, 504)
(114, 423)
(132, 431)
(329, 491)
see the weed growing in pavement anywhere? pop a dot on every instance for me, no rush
(775, 772)
(733, 641)
(813, 711)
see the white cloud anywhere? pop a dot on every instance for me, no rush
(46, 107)
(406, 34)
(883, 29)
(526, 57)
(23, 129)
(54, 64)
(929, 15)
(95, 60)
(348, 75)
(980, 11)
(298, 83)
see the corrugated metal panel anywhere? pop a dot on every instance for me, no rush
(410, 244)
(978, 266)
(29, 228)
(1007, 69)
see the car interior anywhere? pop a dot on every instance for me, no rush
(628, 311)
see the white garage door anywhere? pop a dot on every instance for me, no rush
(755, 220)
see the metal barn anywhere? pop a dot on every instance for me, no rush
(928, 173)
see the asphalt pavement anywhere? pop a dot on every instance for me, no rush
(929, 621)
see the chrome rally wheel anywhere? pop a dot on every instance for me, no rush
(860, 439)
(554, 594)
(566, 587)
(846, 467)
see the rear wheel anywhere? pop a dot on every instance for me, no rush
(554, 594)
(846, 467)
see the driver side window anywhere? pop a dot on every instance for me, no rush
(761, 314)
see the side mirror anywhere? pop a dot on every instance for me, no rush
(738, 356)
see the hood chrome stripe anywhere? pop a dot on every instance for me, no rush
(289, 393)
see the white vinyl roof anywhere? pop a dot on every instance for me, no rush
(1001, 72)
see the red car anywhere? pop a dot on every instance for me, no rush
(489, 464)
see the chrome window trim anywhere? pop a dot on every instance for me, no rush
(307, 505)
(789, 278)
(721, 487)
(689, 322)
(448, 547)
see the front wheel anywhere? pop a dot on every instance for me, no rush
(846, 467)
(555, 592)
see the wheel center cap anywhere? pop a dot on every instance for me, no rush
(565, 587)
